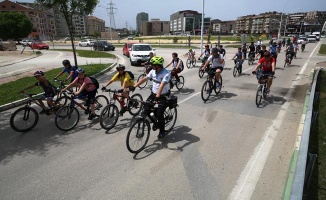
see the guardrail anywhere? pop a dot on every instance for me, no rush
(301, 177)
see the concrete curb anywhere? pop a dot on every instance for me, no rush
(18, 61)
(24, 101)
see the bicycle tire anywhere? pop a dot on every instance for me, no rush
(235, 70)
(109, 116)
(218, 90)
(170, 118)
(206, 90)
(27, 113)
(188, 63)
(66, 114)
(62, 101)
(193, 63)
(201, 72)
(142, 127)
(179, 85)
(134, 104)
(100, 102)
(259, 95)
(143, 84)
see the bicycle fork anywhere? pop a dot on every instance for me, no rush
(26, 113)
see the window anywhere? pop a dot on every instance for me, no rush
(3, 6)
(13, 6)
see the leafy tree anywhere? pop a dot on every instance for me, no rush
(14, 25)
(69, 9)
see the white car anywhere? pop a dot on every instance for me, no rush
(301, 39)
(312, 38)
(86, 43)
(139, 53)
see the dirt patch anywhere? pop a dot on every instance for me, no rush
(16, 53)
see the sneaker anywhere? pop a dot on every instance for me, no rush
(91, 116)
(161, 135)
(43, 111)
(86, 111)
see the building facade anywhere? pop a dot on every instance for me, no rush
(187, 22)
(95, 25)
(140, 18)
(155, 27)
(223, 27)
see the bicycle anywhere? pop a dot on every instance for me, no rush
(202, 72)
(210, 85)
(67, 117)
(251, 59)
(25, 118)
(191, 62)
(236, 68)
(178, 84)
(144, 74)
(110, 113)
(139, 131)
(261, 89)
(287, 60)
(61, 95)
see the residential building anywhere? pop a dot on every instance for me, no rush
(188, 21)
(95, 25)
(80, 25)
(319, 15)
(140, 18)
(223, 27)
(155, 27)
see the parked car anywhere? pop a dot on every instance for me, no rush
(312, 38)
(317, 34)
(86, 43)
(39, 45)
(103, 46)
(126, 47)
(26, 42)
(139, 53)
(130, 38)
(301, 39)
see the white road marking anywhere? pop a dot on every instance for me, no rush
(249, 177)
(186, 99)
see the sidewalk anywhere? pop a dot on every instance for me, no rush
(11, 57)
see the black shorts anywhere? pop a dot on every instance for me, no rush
(216, 68)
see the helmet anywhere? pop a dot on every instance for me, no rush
(80, 70)
(267, 54)
(38, 73)
(190, 49)
(214, 50)
(157, 60)
(119, 67)
(66, 62)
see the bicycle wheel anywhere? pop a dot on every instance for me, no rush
(188, 63)
(206, 90)
(218, 89)
(201, 73)
(138, 135)
(143, 84)
(285, 64)
(170, 117)
(235, 70)
(259, 95)
(109, 116)
(134, 104)
(24, 119)
(62, 101)
(181, 83)
(66, 118)
(100, 102)
(194, 63)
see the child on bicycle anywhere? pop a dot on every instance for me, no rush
(126, 82)
(190, 54)
(217, 61)
(149, 67)
(239, 56)
(177, 65)
(206, 53)
(71, 70)
(49, 91)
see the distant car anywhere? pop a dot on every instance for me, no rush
(301, 39)
(130, 38)
(103, 46)
(26, 42)
(126, 47)
(39, 45)
(86, 43)
(312, 38)
(322, 36)
(139, 53)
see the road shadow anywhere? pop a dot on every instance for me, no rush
(282, 68)
(270, 99)
(180, 136)
(184, 91)
(123, 123)
(244, 74)
(294, 66)
(223, 95)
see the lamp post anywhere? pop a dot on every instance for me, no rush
(279, 30)
(202, 29)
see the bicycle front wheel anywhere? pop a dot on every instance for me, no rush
(24, 119)
(134, 104)
(62, 101)
(235, 70)
(218, 89)
(181, 83)
(66, 118)
(143, 84)
(109, 116)
(259, 95)
(188, 63)
(201, 73)
(170, 118)
(100, 102)
(194, 63)
(138, 135)
(206, 90)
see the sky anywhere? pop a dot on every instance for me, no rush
(126, 10)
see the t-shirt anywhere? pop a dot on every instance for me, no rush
(207, 53)
(266, 65)
(262, 52)
(215, 62)
(273, 48)
(90, 86)
(252, 48)
(175, 63)
(125, 77)
(69, 70)
(238, 56)
(163, 76)
(222, 51)
(46, 88)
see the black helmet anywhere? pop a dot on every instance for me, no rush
(66, 62)
(215, 50)
(119, 67)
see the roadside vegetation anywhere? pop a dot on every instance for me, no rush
(9, 92)
(89, 53)
(322, 49)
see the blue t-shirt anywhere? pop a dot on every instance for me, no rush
(273, 48)
(68, 70)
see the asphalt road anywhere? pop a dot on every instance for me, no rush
(226, 148)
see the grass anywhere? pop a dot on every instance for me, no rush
(14, 87)
(317, 144)
(89, 53)
(233, 45)
(322, 49)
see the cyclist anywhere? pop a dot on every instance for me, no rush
(239, 56)
(217, 61)
(71, 70)
(283, 42)
(190, 54)
(267, 64)
(48, 88)
(177, 67)
(258, 45)
(126, 82)
(252, 50)
(261, 52)
(273, 50)
(244, 50)
(222, 51)
(290, 50)
(303, 44)
(296, 48)
(149, 68)
(87, 88)
(160, 90)
(288, 42)
(206, 53)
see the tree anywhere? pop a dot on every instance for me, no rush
(14, 25)
(69, 9)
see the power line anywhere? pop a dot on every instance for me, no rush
(111, 14)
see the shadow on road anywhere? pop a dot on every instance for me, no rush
(184, 91)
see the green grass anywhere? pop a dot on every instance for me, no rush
(322, 49)
(175, 46)
(89, 53)
(233, 45)
(9, 92)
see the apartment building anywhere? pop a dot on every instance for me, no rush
(95, 25)
(223, 27)
(155, 27)
(140, 18)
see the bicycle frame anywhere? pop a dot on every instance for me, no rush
(30, 100)
(73, 102)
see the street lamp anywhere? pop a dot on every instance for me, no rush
(279, 30)
(202, 29)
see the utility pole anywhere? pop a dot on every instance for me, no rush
(111, 15)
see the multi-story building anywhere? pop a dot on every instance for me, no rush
(188, 21)
(80, 25)
(223, 27)
(140, 18)
(155, 27)
(95, 25)
(319, 15)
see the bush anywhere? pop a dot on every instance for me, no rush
(175, 40)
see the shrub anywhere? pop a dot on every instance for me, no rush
(175, 40)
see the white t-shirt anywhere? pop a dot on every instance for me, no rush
(163, 76)
(175, 63)
(207, 53)
(258, 42)
(215, 62)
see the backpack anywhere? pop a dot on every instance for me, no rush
(94, 80)
(131, 75)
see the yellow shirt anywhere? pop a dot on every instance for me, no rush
(123, 78)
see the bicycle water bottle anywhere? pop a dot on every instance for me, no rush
(153, 116)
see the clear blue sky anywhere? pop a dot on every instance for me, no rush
(126, 10)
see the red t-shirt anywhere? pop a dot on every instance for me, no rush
(266, 65)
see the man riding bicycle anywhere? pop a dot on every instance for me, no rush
(267, 64)
(149, 68)
(222, 50)
(252, 50)
(71, 70)
(261, 52)
(125, 80)
(273, 50)
(239, 57)
(177, 65)
(289, 50)
(206, 53)
(160, 90)
(217, 61)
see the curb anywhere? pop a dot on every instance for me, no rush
(18, 61)
(23, 101)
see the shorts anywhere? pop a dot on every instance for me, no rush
(47, 96)
(91, 96)
(216, 68)
(263, 74)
